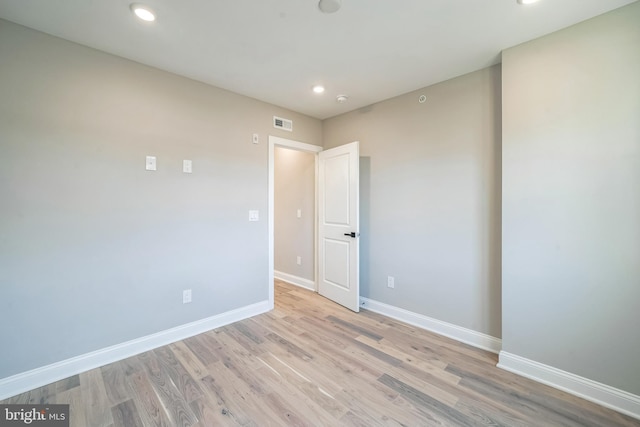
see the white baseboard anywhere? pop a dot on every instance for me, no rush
(295, 280)
(458, 333)
(38, 377)
(585, 388)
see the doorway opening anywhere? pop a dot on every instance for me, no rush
(294, 217)
(300, 216)
(336, 220)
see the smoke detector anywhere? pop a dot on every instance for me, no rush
(329, 6)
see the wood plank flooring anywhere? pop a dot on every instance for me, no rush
(312, 363)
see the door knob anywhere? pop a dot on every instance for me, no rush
(352, 234)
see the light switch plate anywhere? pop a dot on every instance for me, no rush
(299, 213)
(256, 138)
(187, 166)
(254, 215)
(151, 163)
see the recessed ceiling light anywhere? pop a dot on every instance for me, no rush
(329, 6)
(143, 12)
(526, 1)
(318, 88)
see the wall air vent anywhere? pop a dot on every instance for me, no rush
(284, 124)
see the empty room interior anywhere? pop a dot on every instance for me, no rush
(292, 212)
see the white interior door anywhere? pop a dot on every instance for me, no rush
(338, 228)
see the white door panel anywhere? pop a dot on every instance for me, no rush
(338, 249)
(336, 262)
(336, 190)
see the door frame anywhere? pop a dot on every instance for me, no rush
(276, 141)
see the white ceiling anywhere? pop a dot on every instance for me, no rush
(275, 50)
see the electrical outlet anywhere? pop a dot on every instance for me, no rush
(187, 166)
(299, 260)
(186, 296)
(391, 282)
(150, 163)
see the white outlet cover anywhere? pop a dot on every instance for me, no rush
(187, 166)
(151, 163)
(254, 215)
(186, 296)
(391, 282)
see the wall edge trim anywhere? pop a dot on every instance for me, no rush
(295, 280)
(602, 394)
(458, 333)
(38, 377)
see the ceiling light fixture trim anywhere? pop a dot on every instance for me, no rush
(143, 12)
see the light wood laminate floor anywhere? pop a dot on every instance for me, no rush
(312, 363)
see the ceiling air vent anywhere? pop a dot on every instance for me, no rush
(284, 124)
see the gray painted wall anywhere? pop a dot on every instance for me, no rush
(430, 206)
(94, 250)
(571, 199)
(294, 188)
